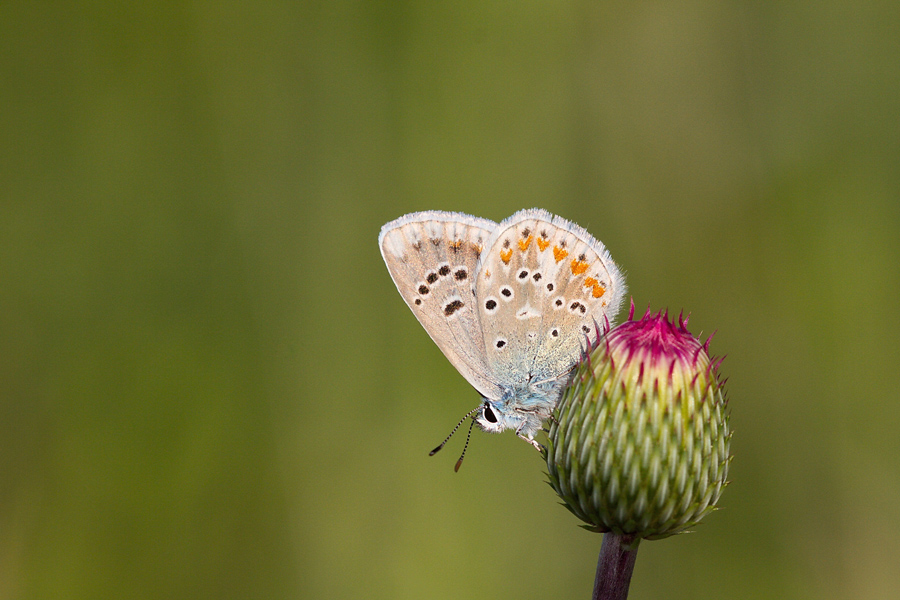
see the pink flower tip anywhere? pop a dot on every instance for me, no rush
(658, 340)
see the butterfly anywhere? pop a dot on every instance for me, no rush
(511, 305)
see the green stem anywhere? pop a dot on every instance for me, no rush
(615, 565)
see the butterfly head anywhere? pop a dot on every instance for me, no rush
(490, 418)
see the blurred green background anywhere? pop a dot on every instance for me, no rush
(211, 388)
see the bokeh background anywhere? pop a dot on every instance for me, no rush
(210, 388)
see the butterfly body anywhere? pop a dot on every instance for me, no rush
(509, 304)
(523, 409)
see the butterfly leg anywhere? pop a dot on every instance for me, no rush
(537, 446)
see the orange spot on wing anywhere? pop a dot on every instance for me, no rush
(589, 282)
(505, 255)
(579, 267)
(523, 244)
(559, 253)
(542, 244)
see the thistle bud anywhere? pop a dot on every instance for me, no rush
(640, 440)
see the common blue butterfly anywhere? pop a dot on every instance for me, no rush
(509, 304)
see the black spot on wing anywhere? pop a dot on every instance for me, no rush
(452, 307)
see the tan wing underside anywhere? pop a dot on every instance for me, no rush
(546, 324)
(432, 258)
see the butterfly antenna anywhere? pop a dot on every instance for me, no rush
(461, 421)
(466, 447)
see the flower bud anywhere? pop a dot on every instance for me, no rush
(640, 440)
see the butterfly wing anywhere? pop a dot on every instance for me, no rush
(543, 282)
(433, 257)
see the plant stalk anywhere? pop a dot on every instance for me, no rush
(615, 565)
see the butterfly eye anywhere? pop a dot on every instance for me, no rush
(489, 414)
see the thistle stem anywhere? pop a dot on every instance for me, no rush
(615, 565)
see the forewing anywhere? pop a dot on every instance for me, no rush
(543, 283)
(432, 258)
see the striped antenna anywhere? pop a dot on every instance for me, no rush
(466, 447)
(461, 421)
